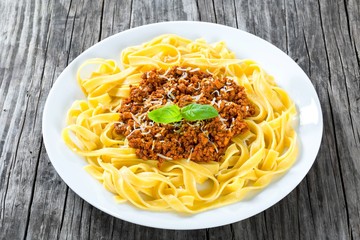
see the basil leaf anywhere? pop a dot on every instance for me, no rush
(194, 112)
(166, 114)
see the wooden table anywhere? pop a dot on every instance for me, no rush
(39, 38)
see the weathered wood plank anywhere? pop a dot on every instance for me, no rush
(80, 220)
(73, 29)
(344, 92)
(143, 12)
(269, 23)
(21, 97)
(226, 13)
(39, 38)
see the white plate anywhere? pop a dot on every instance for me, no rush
(287, 74)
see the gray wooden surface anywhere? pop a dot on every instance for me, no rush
(39, 38)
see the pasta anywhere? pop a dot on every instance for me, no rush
(250, 162)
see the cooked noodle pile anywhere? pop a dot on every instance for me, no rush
(267, 148)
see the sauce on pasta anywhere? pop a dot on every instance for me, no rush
(265, 143)
(200, 141)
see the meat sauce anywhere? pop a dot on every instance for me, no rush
(198, 141)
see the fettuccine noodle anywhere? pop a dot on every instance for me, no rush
(250, 162)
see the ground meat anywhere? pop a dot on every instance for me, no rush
(204, 140)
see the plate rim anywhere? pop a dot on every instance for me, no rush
(182, 227)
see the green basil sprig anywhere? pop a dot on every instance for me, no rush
(167, 114)
(191, 112)
(195, 112)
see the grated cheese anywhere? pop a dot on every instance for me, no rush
(167, 71)
(181, 69)
(159, 102)
(195, 70)
(198, 87)
(232, 124)
(229, 90)
(193, 125)
(131, 133)
(216, 91)
(153, 145)
(184, 75)
(216, 149)
(170, 95)
(135, 119)
(164, 157)
(197, 97)
(218, 104)
(164, 77)
(222, 120)
(191, 151)
(206, 133)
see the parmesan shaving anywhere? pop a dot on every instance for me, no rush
(184, 75)
(195, 70)
(198, 87)
(218, 104)
(206, 133)
(158, 102)
(153, 145)
(216, 149)
(197, 97)
(222, 120)
(135, 119)
(164, 77)
(216, 91)
(164, 157)
(181, 69)
(120, 123)
(191, 151)
(170, 95)
(193, 125)
(167, 71)
(131, 133)
(232, 124)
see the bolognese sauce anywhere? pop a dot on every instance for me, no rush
(199, 141)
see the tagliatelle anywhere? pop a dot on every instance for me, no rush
(250, 162)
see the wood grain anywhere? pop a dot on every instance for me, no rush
(39, 38)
